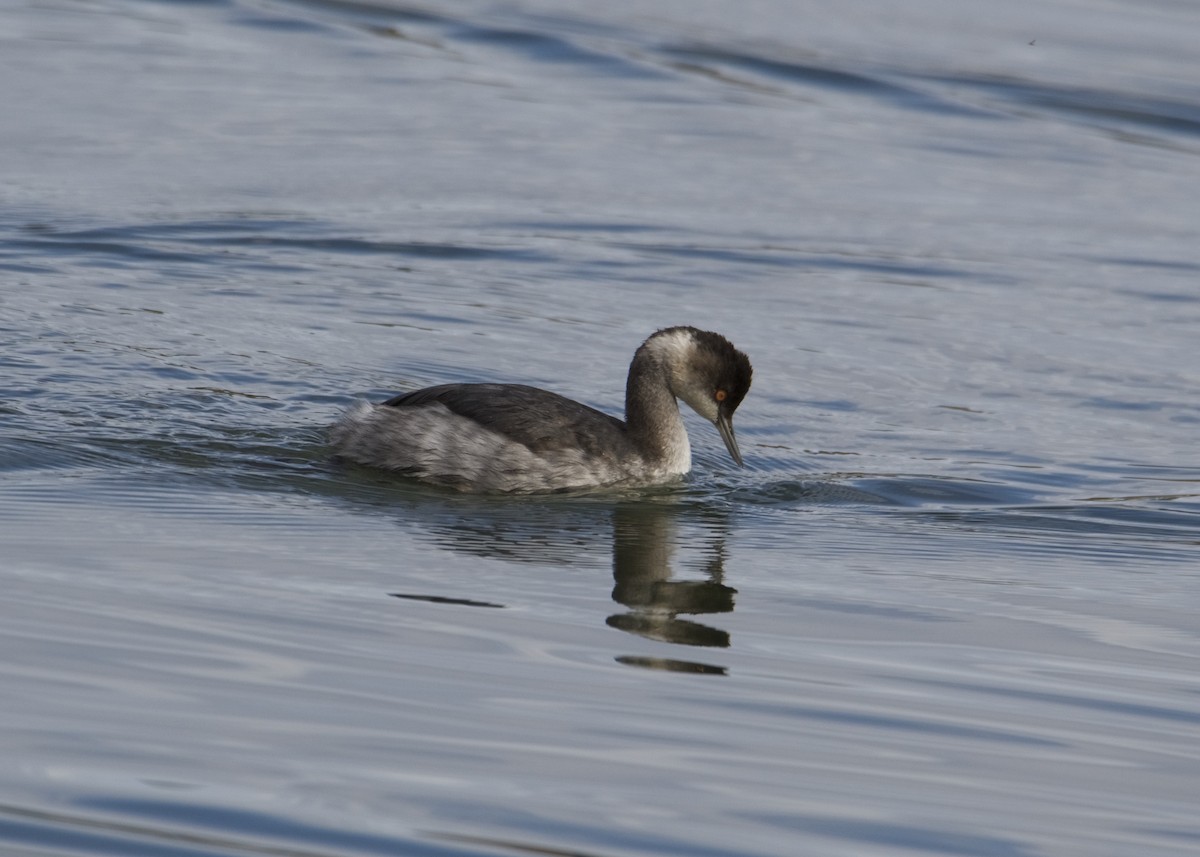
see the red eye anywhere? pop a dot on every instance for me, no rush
(720, 395)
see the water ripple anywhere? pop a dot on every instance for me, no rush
(77, 833)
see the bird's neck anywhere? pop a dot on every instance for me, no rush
(652, 414)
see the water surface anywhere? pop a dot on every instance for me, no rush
(947, 608)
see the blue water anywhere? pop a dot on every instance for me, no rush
(949, 607)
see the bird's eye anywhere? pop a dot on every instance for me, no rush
(720, 395)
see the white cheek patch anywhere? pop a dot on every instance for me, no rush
(677, 350)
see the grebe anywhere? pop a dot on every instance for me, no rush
(511, 438)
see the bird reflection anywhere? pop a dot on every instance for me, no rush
(644, 540)
(641, 532)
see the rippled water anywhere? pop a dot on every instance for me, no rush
(950, 605)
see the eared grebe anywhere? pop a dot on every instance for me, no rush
(518, 439)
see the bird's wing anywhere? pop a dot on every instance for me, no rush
(538, 419)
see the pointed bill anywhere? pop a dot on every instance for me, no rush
(725, 427)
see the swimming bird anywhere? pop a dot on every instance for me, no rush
(510, 438)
